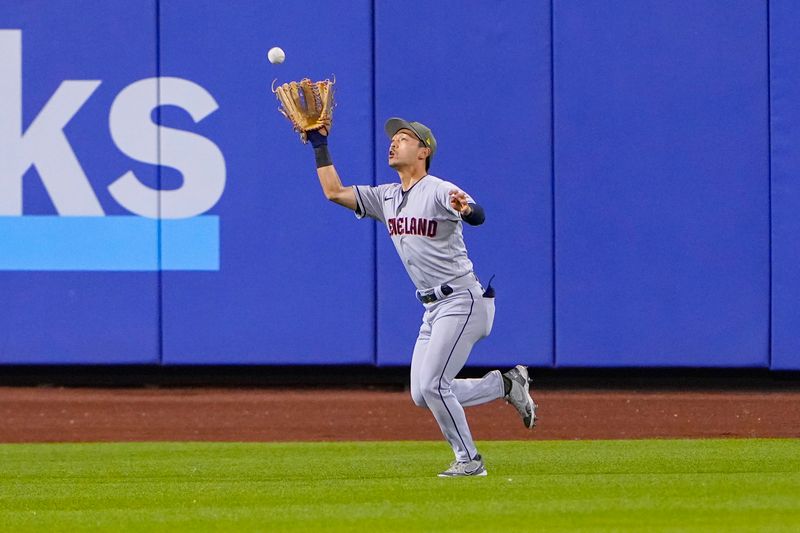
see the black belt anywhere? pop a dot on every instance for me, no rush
(446, 289)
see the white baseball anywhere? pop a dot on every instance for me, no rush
(276, 55)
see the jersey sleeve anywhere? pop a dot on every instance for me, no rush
(443, 199)
(369, 201)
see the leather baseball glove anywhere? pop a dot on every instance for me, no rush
(307, 104)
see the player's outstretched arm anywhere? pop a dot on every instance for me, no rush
(328, 177)
(333, 189)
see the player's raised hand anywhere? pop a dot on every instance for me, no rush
(458, 201)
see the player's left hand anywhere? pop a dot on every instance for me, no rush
(458, 201)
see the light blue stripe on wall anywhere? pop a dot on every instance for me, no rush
(190, 243)
(112, 243)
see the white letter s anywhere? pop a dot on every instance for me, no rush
(198, 159)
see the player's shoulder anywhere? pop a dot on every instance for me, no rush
(435, 182)
(388, 188)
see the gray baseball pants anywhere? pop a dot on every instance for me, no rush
(450, 328)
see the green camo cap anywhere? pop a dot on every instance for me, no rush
(423, 132)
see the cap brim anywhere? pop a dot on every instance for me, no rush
(395, 124)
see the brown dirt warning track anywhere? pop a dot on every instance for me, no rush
(63, 414)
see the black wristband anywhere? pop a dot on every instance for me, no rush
(323, 156)
(476, 216)
(316, 138)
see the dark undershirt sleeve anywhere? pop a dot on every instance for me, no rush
(476, 217)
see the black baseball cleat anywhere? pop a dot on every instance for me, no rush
(520, 397)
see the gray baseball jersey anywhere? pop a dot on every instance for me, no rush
(424, 227)
(427, 233)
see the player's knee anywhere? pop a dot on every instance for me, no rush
(424, 390)
(417, 396)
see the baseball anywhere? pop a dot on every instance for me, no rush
(276, 55)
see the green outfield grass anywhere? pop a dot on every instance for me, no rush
(686, 485)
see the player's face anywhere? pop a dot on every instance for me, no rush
(405, 149)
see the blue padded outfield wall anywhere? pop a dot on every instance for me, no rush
(785, 149)
(661, 183)
(638, 162)
(58, 62)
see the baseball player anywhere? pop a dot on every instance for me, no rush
(424, 216)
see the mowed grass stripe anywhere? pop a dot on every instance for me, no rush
(690, 485)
